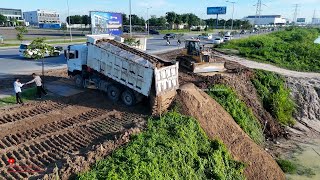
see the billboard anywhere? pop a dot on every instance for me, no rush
(106, 23)
(50, 26)
(301, 20)
(216, 10)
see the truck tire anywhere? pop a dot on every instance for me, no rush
(113, 93)
(78, 81)
(128, 98)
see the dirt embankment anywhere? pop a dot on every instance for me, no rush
(306, 94)
(217, 123)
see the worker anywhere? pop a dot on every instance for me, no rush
(17, 89)
(38, 82)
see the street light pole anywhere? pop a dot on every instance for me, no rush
(148, 25)
(130, 18)
(69, 20)
(233, 2)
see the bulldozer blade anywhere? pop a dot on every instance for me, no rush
(208, 67)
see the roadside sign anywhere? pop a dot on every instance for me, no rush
(301, 20)
(216, 10)
(106, 23)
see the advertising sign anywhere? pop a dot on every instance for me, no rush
(106, 23)
(301, 20)
(216, 10)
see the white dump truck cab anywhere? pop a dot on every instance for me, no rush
(76, 56)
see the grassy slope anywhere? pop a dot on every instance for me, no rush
(26, 95)
(293, 49)
(275, 96)
(239, 111)
(172, 147)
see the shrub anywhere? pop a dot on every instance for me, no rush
(292, 167)
(172, 147)
(275, 96)
(243, 116)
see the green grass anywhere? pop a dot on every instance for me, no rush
(293, 48)
(243, 115)
(172, 147)
(292, 167)
(275, 96)
(26, 95)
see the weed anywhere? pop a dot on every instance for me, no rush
(172, 147)
(243, 116)
(292, 167)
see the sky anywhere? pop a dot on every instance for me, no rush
(242, 8)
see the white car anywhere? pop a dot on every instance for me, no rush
(207, 37)
(227, 38)
(24, 46)
(217, 40)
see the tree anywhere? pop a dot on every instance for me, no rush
(193, 20)
(153, 20)
(178, 20)
(171, 17)
(86, 20)
(125, 19)
(3, 19)
(76, 19)
(161, 21)
(21, 31)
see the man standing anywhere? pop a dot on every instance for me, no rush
(38, 82)
(17, 89)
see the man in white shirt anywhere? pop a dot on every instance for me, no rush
(17, 89)
(38, 82)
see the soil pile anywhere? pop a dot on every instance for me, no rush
(306, 94)
(217, 123)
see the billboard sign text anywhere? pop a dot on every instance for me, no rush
(301, 20)
(216, 10)
(106, 23)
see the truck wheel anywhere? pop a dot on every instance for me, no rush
(128, 98)
(113, 93)
(78, 81)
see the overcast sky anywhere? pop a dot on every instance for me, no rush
(160, 7)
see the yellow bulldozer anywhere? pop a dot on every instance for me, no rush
(200, 59)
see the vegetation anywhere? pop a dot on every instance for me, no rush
(172, 147)
(292, 48)
(292, 167)
(26, 95)
(38, 49)
(21, 31)
(77, 19)
(132, 41)
(3, 19)
(275, 96)
(227, 98)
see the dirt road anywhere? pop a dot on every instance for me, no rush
(268, 67)
(42, 135)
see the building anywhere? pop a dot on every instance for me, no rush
(316, 21)
(12, 15)
(266, 20)
(43, 18)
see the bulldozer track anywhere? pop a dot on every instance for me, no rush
(37, 149)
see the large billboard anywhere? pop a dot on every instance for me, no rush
(106, 23)
(301, 20)
(216, 10)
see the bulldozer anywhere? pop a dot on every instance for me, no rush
(199, 59)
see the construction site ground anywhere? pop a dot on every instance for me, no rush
(65, 135)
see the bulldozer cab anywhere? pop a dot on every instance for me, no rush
(193, 47)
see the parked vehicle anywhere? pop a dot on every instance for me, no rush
(217, 40)
(243, 32)
(227, 38)
(126, 30)
(24, 46)
(121, 71)
(206, 37)
(169, 36)
(151, 31)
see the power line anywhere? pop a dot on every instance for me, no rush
(258, 12)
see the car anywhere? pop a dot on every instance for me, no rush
(169, 36)
(126, 29)
(227, 38)
(217, 40)
(151, 31)
(207, 37)
(24, 46)
(243, 32)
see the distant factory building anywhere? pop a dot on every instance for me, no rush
(12, 15)
(266, 20)
(43, 19)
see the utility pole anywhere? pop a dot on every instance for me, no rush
(295, 14)
(233, 2)
(69, 20)
(148, 24)
(130, 18)
(258, 12)
(314, 17)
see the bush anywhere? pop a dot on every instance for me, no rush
(243, 116)
(291, 167)
(172, 147)
(293, 48)
(275, 96)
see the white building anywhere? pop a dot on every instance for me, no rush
(316, 21)
(12, 15)
(41, 17)
(266, 20)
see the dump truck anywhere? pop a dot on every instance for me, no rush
(122, 72)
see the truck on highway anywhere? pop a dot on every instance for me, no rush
(122, 72)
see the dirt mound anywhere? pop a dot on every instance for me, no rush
(217, 123)
(306, 94)
(242, 84)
